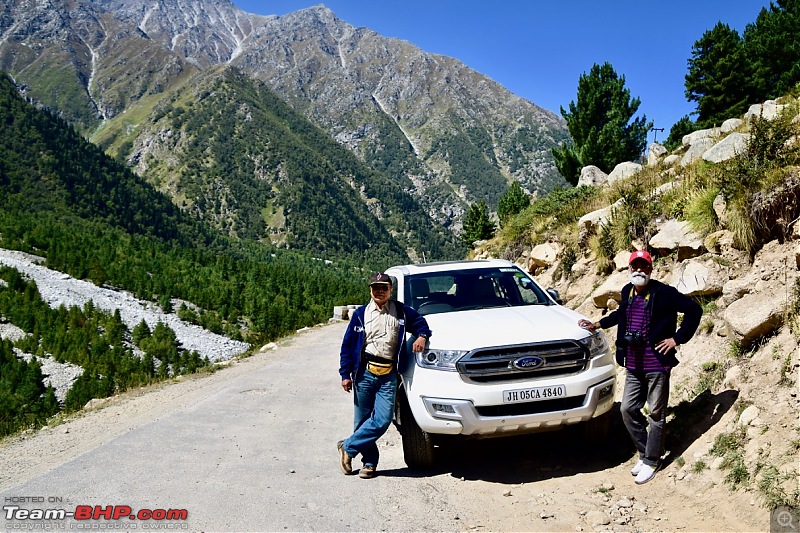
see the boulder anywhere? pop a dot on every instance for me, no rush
(698, 278)
(671, 159)
(665, 188)
(769, 110)
(655, 152)
(728, 148)
(544, 255)
(592, 221)
(754, 316)
(610, 289)
(621, 260)
(592, 175)
(696, 150)
(677, 235)
(695, 137)
(735, 289)
(730, 125)
(623, 170)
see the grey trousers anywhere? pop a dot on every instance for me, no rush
(653, 388)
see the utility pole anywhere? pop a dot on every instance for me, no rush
(655, 132)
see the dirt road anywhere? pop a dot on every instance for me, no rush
(252, 448)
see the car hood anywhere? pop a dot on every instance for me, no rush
(468, 330)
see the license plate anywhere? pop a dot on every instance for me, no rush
(535, 394)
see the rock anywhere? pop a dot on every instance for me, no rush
(621, 260)
(720, 207)
(698, 278)
(733, 377)
(754, 316)
(768, 110)
(670, 160)
(94, 403)
(625, 503)
(665, 188)
(592, 221)
(610, 288)
(698, 136)
(730, 125)
(593, 176)
(728, 148)
(696, 151)
(736, 289)
(748, 415)
(623, 170)
(597, 518)
(677, 235)
(655, 152)
(544, 255)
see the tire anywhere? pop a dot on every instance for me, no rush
(418, 447)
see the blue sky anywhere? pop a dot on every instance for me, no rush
(538, 49)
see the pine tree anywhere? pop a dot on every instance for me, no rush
(477, 224)
(718, 76)
(772, 49)
(513, 201)
(600, 125)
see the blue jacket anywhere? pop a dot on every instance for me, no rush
(354, 337)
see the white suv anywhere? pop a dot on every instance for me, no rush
(505, 358)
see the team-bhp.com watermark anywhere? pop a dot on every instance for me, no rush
(52, 513)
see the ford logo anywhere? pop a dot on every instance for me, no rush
(528, 363)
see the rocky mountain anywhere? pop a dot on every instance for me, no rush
(440, 131)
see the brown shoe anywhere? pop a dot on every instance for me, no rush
(367, 472)
(345, 461)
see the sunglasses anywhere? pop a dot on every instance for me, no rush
(380, 287)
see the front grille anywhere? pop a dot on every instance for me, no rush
(531, 408)
(495, 364)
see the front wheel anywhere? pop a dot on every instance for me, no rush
(417, 444)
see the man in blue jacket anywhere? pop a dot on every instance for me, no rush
(647, 336)
(372, 351)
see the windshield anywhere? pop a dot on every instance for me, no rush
(463, 290)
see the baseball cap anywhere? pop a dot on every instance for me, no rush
(640, 254)
(380, 278)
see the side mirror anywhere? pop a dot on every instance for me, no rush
(554, 295)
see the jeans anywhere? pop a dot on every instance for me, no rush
(652, 387)
(374, 409)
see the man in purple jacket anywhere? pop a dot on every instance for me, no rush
(372, 351)
(647, 335)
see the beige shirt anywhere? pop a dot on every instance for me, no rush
(380, 329)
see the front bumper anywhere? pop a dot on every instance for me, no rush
(589, 394)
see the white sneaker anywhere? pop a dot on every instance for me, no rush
(637, 467)
(645, 474)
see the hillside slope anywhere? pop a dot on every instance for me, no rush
(720, 215)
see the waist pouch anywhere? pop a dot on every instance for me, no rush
(379, 367)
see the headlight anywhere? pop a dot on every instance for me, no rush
(440, 359)
(596, 344)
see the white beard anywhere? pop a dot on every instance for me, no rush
(639, 279)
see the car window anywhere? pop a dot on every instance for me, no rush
(469, 289)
